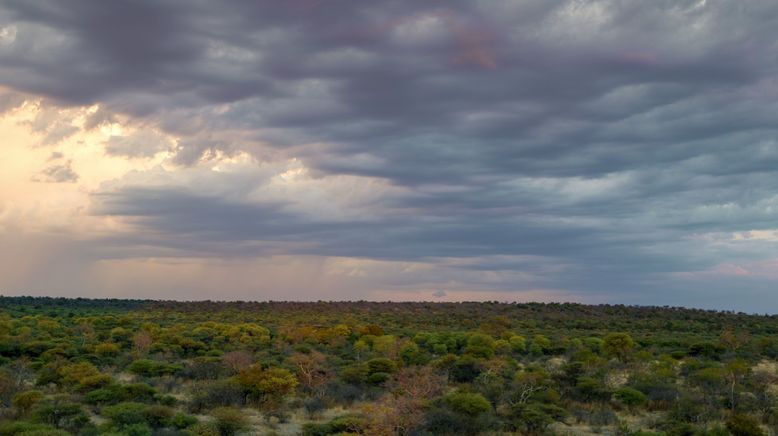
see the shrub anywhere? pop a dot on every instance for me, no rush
(107, 349)
(23, 402)
(267, 384)
(377, 378)
(136, 392)
(630, 397)
(465, 369)
(381, 364)
(467, 403)
(182, 420)
(151, 368)
(355, 374)
(618, 345)
(744, 425)
(138, 429)
(445, 421)
(518, 344)
(216, 394)
(480, 345)
(94, 381)
(533, 419)
(21, 428)
(61, 413)
(229, 420)
(158, 416)
(339, 425)
(205, 429)
(124, 414)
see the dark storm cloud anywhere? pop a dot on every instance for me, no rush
(610, 136)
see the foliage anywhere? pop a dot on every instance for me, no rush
(229, 420)
(267, 384)
(744, 425)
(140, 367)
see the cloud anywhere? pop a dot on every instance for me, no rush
(138, 145)
(57, 173)
(598, 146)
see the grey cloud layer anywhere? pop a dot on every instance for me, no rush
(606, 136)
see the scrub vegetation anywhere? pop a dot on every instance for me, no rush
(138, 367)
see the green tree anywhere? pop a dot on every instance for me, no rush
(468, 403)
(23, 402)
(619, 345)
(267, 385)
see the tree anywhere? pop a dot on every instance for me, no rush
(467, 403)
(480, 345)
(618, 345)
(8, 387)
(267, 385)
(311, 371)
(61, 413)
(141, 342)
(518, 344)
(417, 383)
(237, 361)
(23, 402)
(526, 383)
(532, 419)
(734, 372)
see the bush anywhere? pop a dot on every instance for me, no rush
(136, 392)
(205, 429)
(343, 393)
(94, 381)
(267, 384)
(182, 420)
(339, 425)
(744, 425)
(630, 397)
(518, 344)
(533, 419)
(377, 378)
(480, 345)
(124, 414)
(216, 394)
(313, 406)
(137, 430)
(465, 370)
(355, 374)
(61, 413)
(107, 349)
(467, 403)
(158, 416)
(204, 368)
(23, 402)
(445, 421)
(21, 428)
(229, 420)
(381, 364)
(151, 368)
(590, 389)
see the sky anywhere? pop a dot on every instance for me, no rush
(595, 151)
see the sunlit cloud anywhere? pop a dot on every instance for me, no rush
(593, 151)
